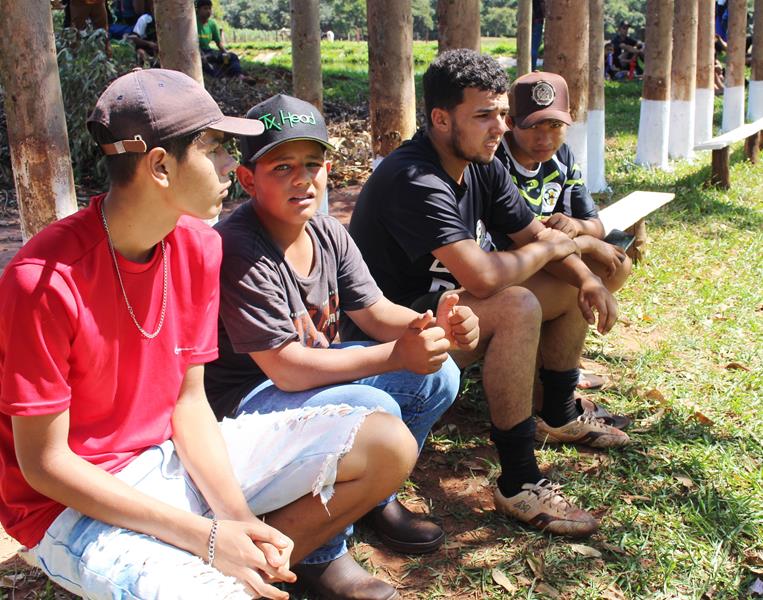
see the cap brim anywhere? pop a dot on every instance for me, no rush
(238, 126)
(544, 115)
(265, 149)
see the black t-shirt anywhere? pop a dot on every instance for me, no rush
(556, 186)
(410, 206)
(622, 39)
(264, 303)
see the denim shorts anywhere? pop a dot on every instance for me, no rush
(277, 458)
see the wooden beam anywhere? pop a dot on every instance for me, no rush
(719, 175)
(631, 208)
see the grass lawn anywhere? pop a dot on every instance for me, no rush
(681, 508)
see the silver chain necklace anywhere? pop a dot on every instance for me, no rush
(143, 332)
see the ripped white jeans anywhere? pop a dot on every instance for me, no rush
(277, 458)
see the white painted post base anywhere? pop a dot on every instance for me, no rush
(577, 136)
(596, 180)
(755, 101)
(733, 108)
(653, 130)
(681, 139)
(703, 114)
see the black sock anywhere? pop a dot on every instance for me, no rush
(559, 407)
(516, 452)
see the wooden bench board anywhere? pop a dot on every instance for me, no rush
(730, 137)
(632, 208)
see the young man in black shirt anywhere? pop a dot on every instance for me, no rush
(627, 48)
(423, 223)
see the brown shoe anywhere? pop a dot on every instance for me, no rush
(542, 505)
(404, 531)
(586, 429)
(343, 579)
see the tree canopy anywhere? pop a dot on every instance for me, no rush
(347, 18)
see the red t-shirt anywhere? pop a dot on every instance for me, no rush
(67, 342)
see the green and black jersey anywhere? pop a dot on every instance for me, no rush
(555, 186)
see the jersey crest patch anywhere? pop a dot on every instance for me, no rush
(550, 195)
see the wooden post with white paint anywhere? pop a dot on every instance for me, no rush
(392, 98)
(596, 181)
(733, 93)
(307, 79)
(704, 94)
(568, 56)
(524, 36)
(177, 37)
(755, 100)
(458, 24)
(683, 75)
(34, 109)
(653, 128)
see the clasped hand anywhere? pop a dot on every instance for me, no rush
(256, 554)
(425, 344)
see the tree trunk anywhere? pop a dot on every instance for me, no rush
(306, 52)
(458, 24)
(34, 111)
(392, 98)
(733, 94)
(568, 56)
(524, 37)
(705, 85)
(652, 145)
(596, 178)
(755, 107)
(177, 37)
(683, 75)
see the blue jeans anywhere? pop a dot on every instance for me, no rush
(535, 41)
(419, 400)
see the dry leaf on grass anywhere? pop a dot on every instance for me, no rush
(500, 578)
(586, 551)
(736, 366)
(685, 481)
(547, 590)
(613, 548)
(656, 395)
(10, 581)
(454, 545)
(475, 465)
(537, 566)
(613, 592)
(753, 557)
(629, 498)
(475, 486)
(650, 421)
(702, 418)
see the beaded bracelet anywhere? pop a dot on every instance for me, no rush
(211, 545)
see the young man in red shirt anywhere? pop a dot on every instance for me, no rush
(113, 470)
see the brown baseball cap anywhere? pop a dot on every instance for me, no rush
(145, 107)
(539, 96)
